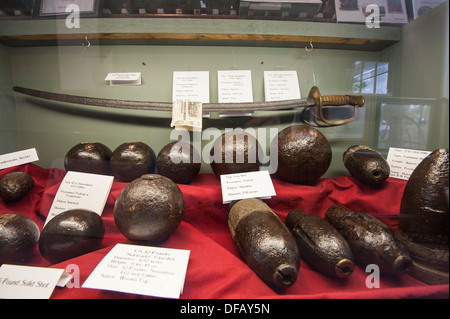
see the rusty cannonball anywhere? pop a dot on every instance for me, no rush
(71, 234)
(179, 161)
(235, 152)
(132, 160)
(18, 238)
(89, 157)
(304, 154)
(149, 209)
(15, 186)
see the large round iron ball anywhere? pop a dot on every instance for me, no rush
(179, 161)
(132, 160)
(18, 238)
(15, 186)
(149, 209)
(71, 234)
(304, 154)
(89, 157)
(238, 152)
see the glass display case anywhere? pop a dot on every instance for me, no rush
(110, 73)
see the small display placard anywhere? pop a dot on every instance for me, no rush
(18, 158)
(24, 282)
(81, 191)
(403, 161)
(142, 270)
(281, 85)
(246, 185)
(133, 78)
(191, 86)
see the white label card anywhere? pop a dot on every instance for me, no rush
(281, 85)
(23, 282)
(403, 161)
(142, 270)
(133, 78)
(18, 158)
(191, 86)
(235, 86)
(81, 191)
(246, 185)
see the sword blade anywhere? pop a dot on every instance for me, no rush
(164, 106)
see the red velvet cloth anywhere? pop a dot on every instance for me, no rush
(215, 269)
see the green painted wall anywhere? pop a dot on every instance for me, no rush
(9, 138)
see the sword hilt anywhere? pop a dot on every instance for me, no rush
(335, 100)
(331, 100)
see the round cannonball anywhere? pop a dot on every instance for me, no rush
(149, 209)
(71, 234)
(89, 157)
(177, 161)
(132, 160)
(15, 186)
(235, 152)
(18, 238)
(304, 154)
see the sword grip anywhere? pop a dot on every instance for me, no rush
(339, 100)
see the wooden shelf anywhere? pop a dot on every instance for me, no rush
(180, 31)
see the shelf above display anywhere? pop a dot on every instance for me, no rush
(168, 31)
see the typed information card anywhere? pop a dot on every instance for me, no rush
(246, 185)
(81, 191)
(23, 282)
(142, 270)
(281, 85)
(18, 158)
(404, 161)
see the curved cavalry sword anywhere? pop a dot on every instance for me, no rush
(315, 99)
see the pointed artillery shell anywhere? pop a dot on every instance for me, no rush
(366, 165)
(264, 242)
(424, 205)
(371, 241)
(320, 244)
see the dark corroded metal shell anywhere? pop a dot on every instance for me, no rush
(132, 160)
(320, 244)
(235, 152)
(304, 154)
(15, 186)
(179, 161)
(371, 241)
(264, 242)
(89, 157)
(71, 234)
(424, 214)
(366, 165)
(149, 209)
(18, 238)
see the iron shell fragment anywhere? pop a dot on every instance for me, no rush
(320, 244)
(264, 242)
(371, 241)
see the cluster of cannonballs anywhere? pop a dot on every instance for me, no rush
(150, 208)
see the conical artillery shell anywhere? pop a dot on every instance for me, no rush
(320, 244)
(424, 206)
(371, 241)
(366, 165)
(264, 242)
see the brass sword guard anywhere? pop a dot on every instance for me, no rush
(356, 101)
